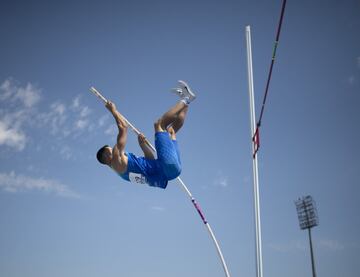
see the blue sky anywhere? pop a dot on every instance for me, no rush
(62, 214)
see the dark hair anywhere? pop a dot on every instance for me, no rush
(100, 153)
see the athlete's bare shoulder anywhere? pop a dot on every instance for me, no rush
(119, 161)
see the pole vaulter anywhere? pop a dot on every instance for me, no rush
(180, 181)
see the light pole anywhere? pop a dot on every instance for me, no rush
(308, 218)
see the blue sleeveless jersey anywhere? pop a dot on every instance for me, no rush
(155, 173)
(149, 170)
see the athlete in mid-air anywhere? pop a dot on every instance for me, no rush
(147, 169)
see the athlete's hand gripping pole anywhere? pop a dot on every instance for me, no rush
(102, 98)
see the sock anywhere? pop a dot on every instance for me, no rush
(185, 100)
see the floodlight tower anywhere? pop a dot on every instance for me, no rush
(308, 218)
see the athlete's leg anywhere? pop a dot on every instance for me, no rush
(169, 117)
(167, 155)
(179, 122)
(171, 131)
(165, 144)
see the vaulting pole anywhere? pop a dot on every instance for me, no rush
(254, 136)
(193, 201)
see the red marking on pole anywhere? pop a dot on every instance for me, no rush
(197, 207)
(256, 141)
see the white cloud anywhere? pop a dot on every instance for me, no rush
(11, 122)
(300, 245)
(82, 113)
(66, 152)
(81, 124)
(102, 120)
(81, 109)
(20, 115)
(12, 137)
(56, 118)
(11, 182)
(111, 130)
(76, 102)
(351, 80)
(7, 90)
(29, 95)
(65, 120)
(158, 208)
(16, 119)
(286, 247)
(85, 111)
(279, 247)
(221, 180)
(58, 108)
(325, 244)
(331, 245)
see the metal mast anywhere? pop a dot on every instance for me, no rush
(259, 265)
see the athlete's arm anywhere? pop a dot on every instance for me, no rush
(145, 148)
(121, 139)
(119, 160)
(120, 121)
(122, 127)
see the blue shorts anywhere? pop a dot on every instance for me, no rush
(168, 155)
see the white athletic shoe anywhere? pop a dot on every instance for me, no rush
(184, 92)
(178, 92)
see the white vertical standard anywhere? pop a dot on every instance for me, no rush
(259, 266)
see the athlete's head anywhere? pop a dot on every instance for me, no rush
(104, 155)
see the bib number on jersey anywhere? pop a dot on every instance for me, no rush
(137, 178)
